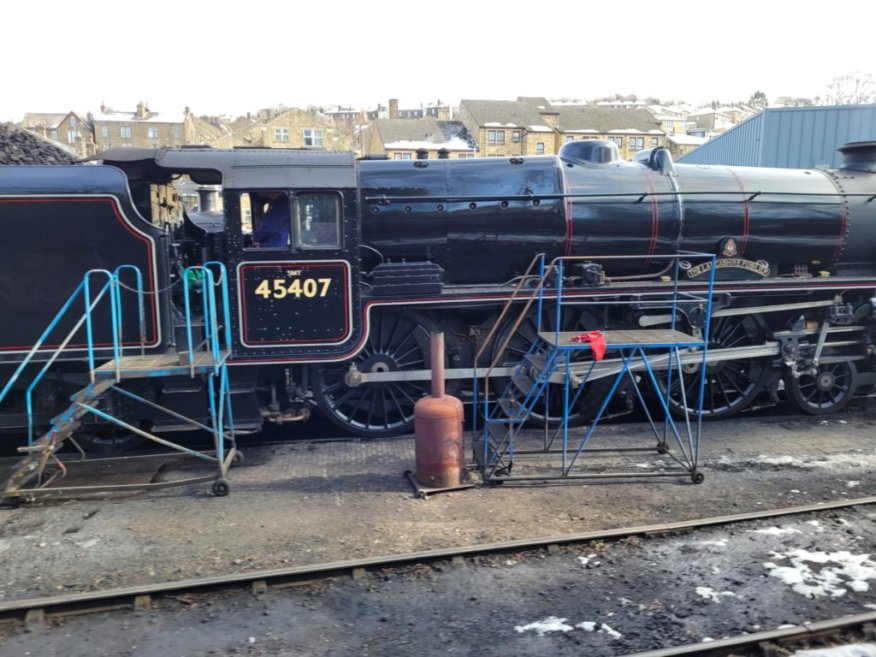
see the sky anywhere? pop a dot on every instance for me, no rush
(233, 58)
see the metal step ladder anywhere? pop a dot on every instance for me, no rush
(207, 358)
(643, 361)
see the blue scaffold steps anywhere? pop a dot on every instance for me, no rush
(552, 378)
(206, 353)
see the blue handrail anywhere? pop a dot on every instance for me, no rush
(84, 289)
(211, 319)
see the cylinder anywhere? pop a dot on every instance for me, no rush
(438, 418)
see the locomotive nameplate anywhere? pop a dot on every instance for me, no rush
(760, 267)
(294, 303)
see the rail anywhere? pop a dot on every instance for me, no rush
(38, 610)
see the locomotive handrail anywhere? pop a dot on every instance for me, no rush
(386, 200)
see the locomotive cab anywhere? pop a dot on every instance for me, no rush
(287, 235)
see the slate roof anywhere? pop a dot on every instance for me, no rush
(428, 130)
(42, 120)
(605, 120)
(507, 113)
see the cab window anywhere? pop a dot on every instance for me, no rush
(267, 218)
(317, 221)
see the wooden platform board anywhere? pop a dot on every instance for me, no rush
(134, 367)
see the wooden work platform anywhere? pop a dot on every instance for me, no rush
(624, 339)
(172, 364)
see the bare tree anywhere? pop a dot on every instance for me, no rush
(758, 99)
(851, 89)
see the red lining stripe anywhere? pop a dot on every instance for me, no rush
(655, 217)
(746, 217)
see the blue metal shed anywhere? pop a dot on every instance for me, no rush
(792, 137)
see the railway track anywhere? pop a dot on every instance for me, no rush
(37, 613)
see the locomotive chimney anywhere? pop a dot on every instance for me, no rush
(859, 156)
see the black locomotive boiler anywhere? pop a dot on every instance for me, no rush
(339, 269)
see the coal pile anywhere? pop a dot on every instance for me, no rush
(21, 147)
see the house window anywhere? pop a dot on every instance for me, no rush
(282, 134)
(177, 132)
(125, 132)
(655, 141)
(539, 148)
(617, 140)
(53, 134)
(104, 131)
(152, 133)
(396, 156)
(406, 156)
(73, 122)
(515, 136)
(495, 136)
(312, 137)
(72, 136)
(568, 139)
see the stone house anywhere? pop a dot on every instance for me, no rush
(141, 128)
(632, 130)
(533, 126)
(708, 121)
(680, 145)
(288, 128)
(503, 128)
(71, 129)
(411, 139)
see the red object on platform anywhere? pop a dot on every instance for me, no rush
(596, 340)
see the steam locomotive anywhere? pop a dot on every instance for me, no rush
(333, 302)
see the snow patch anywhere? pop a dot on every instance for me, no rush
(848, 571)
(585, 560)
(712, 594)
(853, 484)
(542, 627)
(776, 531)
(811, 461)
(719, 543)
(855, 650)
(604, 628)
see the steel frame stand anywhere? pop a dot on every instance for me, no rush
(652, 357)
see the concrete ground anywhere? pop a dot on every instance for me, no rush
(303, 503)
